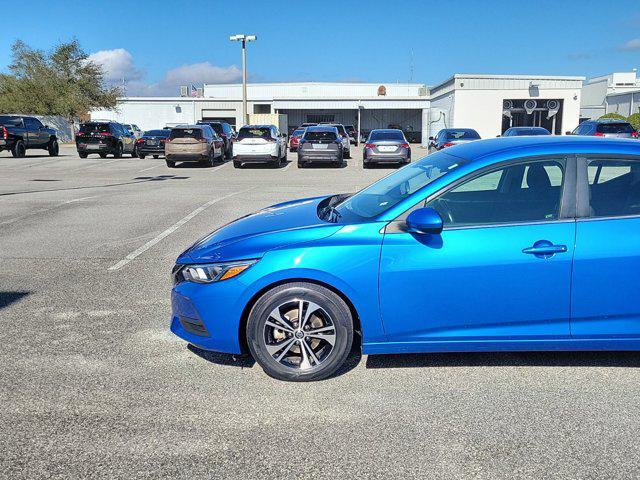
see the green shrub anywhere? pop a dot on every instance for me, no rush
(616, 116)
(634, 120)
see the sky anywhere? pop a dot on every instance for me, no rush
(157, 45)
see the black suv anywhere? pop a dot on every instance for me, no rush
(105, 138)
(19, 133)
(224, 130)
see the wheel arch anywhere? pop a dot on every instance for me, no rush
(242, 329)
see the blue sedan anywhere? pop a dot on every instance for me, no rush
(523, 243)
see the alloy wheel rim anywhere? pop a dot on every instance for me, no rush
(299, 334)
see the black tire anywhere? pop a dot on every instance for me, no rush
(170, 164)
(141, 156)
(156, 156)
(227, 151)
(301, 164)
(347, 154)
(118, 152)
(82, 154)
(103, 155)
(134, 152)
(53, 148)
(237, 164)
(19, 150)
(330, 358)
(211, 161)
(365, 164)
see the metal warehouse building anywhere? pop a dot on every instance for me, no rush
(488, 103)
(614, 93)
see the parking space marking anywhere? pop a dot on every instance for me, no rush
(139, 251)
(85, 167)
(150, 168)
(41, 210)
(215, 169)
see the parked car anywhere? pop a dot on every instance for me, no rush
(134, 129)
(224, 130)
(488, 246)
(608, 127)
(344, 137)
(386, 146)
(21, 133)
(193, 143)
(259, 144)
(322, 143)
(528, 131)
(294, 139)
(448, 137)
(104, 138)
(152, 143)
(353, 134)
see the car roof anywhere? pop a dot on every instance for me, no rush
(190, 126)
(458, 130)
(527, 128)
(385, 130)
(505, 147)
(257, 126)
(606, 120)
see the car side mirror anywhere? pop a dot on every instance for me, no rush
(424, 220)
(568, 133)
(498, 136)
(431, 138)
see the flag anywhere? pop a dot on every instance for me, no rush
(194, 91)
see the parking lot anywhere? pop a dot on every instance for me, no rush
(93, 384)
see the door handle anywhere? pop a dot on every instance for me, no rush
(544, 249)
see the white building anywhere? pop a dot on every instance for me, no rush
(472, 101)
(607, 93)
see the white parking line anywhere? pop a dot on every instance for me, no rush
(287, 167)
(86, 167)
(150, 168)
(35, 212)
(171, 229)
(215, 169)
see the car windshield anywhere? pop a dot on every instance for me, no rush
(615, 128)
(127, 126)
(462, 135)
(94, 128)
(254, 133)
(320, 135)
(157, 133)
(376, 136)
(10, 121)
(186, 133)
(394, 188)
(298, 133)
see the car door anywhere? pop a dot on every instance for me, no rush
(606, 271)
(500, 269)
(127, 138)
(32, 132)
(41, 135)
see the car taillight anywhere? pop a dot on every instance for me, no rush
(164, 140)
(598, 134)
(369, 145)
(404, 145)
(140, 140)
(106, 134)
(448, 144)
(5, 134)
(633, 134)
(79, 134)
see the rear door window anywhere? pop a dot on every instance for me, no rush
(614, 187)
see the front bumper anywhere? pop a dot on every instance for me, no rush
(205, 315)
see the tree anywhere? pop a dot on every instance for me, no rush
(634, 120)
(61, 82)
(613, 115)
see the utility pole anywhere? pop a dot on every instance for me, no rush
(244, 39)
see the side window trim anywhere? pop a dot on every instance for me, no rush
(568, 205)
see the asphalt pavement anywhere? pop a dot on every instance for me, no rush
(93, 384)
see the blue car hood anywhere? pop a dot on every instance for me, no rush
(255, 234)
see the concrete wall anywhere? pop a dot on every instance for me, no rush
(482, 109)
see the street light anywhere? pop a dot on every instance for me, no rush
(244, 39)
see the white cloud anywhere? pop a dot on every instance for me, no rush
(631, 46)
(118, 64)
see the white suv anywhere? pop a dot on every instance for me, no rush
(259, 144)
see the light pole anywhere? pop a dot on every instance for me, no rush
(244, 39)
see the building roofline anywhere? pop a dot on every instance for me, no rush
(268, 84)
(617, 94)
(506, 77)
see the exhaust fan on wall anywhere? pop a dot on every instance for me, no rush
(507, 105)
(553, 106)
(530, 106)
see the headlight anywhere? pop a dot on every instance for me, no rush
(210, 272)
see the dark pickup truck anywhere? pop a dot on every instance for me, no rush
(19, 133)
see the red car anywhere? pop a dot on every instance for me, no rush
(294, 141)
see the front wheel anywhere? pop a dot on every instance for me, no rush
(53, 148)
(237, 164)
(118, 152)
(300, 332)
(170, 164)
